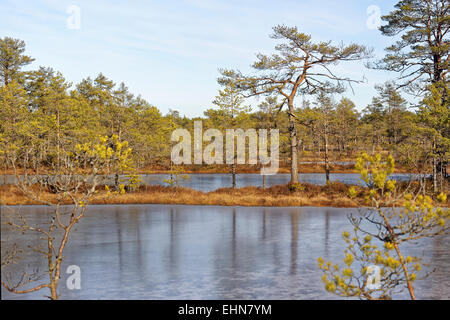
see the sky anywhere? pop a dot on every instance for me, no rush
(169, 52)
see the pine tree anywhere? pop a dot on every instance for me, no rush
(12, 60)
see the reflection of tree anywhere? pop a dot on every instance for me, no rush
(327, 231)
(173, 247)
(233, 240)
(119, 240)
(132, 223)
(264, 225)
(294, 244)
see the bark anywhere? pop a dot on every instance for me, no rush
(293, 138)
(233, 172)
(53, 293)
(434, 168)
(327, 166)
(116, 181)
(399, 255)
(405, 271)
(264, 178)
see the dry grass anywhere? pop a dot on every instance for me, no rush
(12, 195)
(333, 195)
(277, 196)
(302, 168)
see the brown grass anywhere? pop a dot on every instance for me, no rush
(302, 168)
(333, 195)
(276, 196)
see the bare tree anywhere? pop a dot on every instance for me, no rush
(393, 218)
(300, 66)
(73, 179)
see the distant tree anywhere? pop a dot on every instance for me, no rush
(269, 114)
(394, 107)
(120, 110)
(434, 114)
(148, 134)
(233, 115)
(300, 66)
(269, 111)
(347, 125)
(177, 175)
(321, 120)
(374, 125)
(12, 59)
(306, 126)
(387, 120)
(61, 116)
(14, 117)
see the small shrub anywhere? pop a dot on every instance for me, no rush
(294, 187)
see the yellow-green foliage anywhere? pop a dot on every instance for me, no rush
(176, 176)
(296, 187)
(374, 171)
(134, 181)
(353, 193)
(397, 220)
(114, 155)
(351, 280)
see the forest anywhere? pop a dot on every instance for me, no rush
(64, 146)
(40, 108)
(44, 117)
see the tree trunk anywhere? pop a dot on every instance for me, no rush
(233, 172)
(399, 254)
(53, 293)
(405, 271)
(116, 181)
(58, 142)
(264, 177)
(434, 168)
(318, 149)
(293, 137)
(327, 166)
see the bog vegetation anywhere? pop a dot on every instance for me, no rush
(62, 139)
(304, 98)
(375, 266)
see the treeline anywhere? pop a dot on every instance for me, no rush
(41, 111)
(41, 107)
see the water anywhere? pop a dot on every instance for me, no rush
(211, 252)
(208, 182)
(213, 181)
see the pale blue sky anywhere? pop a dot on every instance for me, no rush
(170, 51)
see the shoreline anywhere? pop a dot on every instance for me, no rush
(317, 168)
(335, 195)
